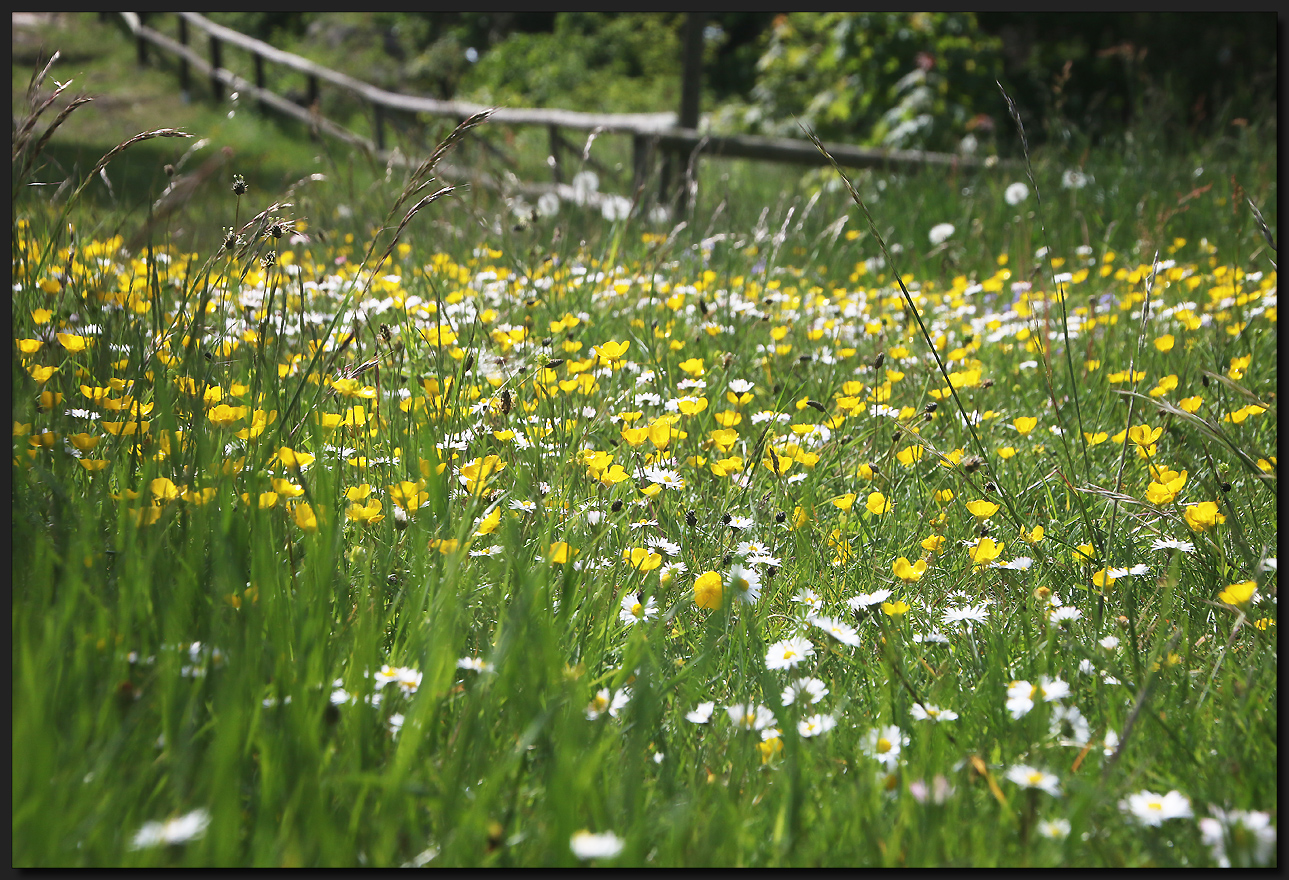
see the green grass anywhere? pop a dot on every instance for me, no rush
(99, 60)
(188, 636)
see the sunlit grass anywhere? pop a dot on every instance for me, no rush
(647, 545)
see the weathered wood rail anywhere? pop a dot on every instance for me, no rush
(651, 133)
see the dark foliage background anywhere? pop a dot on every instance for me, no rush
(1094, 73)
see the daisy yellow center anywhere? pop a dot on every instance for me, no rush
(637, 609)
(1035, 778)
(742, 584)
(883, 745)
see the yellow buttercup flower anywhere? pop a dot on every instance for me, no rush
(895, 609)
(778, 461)
(1240, 594)
(163, 489)
(1166, 384)
(693, 366)
(41, 373)
(723, 439)
(560, 552)
(225, 416)
(84, 442)
(985, 551)
(635, 436)
(1239, 415)
(368, 514)
(1238, 366)
(1165, 489)
(489, 523)
(660, 432)
(612, 350)
(199, 496)
(1144, 435)
(305, 517)
(708, 590)
(1203, 516)
(71, 342)
(347, 387)
(446, 546)
(909, 454)
(286, 488)
(292, 459)
(906, 572)
(479, 471)
(408, 495)
(1025, 424)
(953, 458)
(691, 405)
(642, 559)
(770, 748)
(1084, 553)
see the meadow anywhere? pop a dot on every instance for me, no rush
(411, 526)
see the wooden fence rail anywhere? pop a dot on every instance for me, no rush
(651, 133)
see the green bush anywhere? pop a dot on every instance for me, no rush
(592, 62)
(907, 80)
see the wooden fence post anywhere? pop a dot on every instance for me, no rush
(556, 171)
(690, 90)
(311, 102)
(259, 78)
(216, 62)
(639, 160)
(378, 114)
(184, 84)
(140, 44)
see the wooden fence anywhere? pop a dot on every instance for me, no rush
(651, 133)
